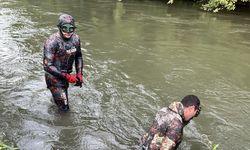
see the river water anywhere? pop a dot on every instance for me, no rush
(139, 57)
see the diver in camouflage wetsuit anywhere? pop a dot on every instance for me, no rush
(167, 129)
(61, 50)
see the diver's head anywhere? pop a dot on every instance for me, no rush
(66, 25)
(192, 107)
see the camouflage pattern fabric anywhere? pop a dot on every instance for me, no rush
(59, 56)
(60, 96)
(167, 129)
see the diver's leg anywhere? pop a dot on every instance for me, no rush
(60, 96)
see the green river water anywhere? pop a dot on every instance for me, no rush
(139, 57)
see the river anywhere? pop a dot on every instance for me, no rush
(139, 56)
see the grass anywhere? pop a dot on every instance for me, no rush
(6, 147)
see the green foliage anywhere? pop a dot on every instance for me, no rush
(6, 147)
(215, 146)
(216, 5)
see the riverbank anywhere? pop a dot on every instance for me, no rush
(214, 5)
(218, 5)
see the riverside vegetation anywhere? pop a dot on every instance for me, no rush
(216, 5)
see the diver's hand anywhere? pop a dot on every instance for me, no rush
(70, 78)
(79, 80)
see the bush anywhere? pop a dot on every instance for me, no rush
(216, 5)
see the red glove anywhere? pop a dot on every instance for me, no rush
(70, 78)
(79, 77)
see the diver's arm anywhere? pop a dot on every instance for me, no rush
(48, 59)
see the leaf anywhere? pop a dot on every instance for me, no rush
(215, 146)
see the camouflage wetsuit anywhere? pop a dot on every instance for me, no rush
(167, 129)
(59, 56)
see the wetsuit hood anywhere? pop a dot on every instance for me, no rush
(177, 107)
(65, 19)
